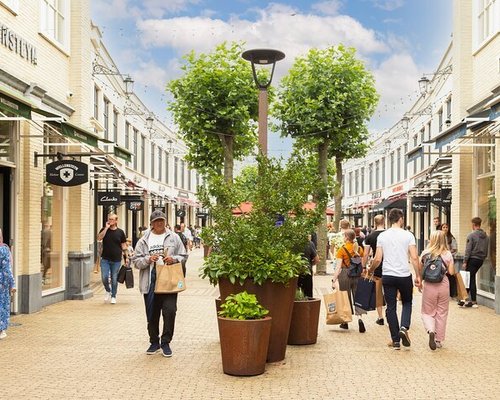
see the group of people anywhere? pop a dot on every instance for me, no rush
(158, 245)
(392, 251)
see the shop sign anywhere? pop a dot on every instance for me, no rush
(442, 198)
(183, 193)
(377, 194)
(67, 173)
(398, 188)
(420, 204)
(108, 198)
(135, 205)
(202, 214)
(180, 213)
(159, 208)
(15, 43)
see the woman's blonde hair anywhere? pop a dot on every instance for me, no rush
(437, 243)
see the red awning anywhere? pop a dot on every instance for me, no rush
(246, 207)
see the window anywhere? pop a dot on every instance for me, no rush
(167, 168)
(349, 192)
(448, 109)
(136, 138)
(160, 164)
(115, 125)
(440, 120)
(429, 136)
(422, 139)
(383, 172)
(370, 177)
(106, 118)
(176, 166)
(398, 165)
(377, 174)
(143, 154)
(392, 168)
(96, 103)
(487, 19)
(54, 19)
(153, 160)
(363, 180)
(182, 168)
(8, 142)
(405, 163)
(189, 179)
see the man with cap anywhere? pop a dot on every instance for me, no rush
(158, 246)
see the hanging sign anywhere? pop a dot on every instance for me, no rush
(180, 213)
(67, 173)
(135, 205)
(108, 198)
(420, 204)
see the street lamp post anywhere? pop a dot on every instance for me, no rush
(263, 57)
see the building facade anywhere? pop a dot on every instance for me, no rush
(439, 159)
(57, 115)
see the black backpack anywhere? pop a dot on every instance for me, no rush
(434, 269)
(183, 239)
(355, 267)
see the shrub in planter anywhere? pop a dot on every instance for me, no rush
(244, 331)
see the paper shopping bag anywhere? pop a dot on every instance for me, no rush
(465, 278)
(338, 309)
(461, 289)
(169, 279)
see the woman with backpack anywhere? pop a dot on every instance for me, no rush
(435, 261)
(348, 256)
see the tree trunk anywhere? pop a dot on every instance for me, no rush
(228, 144)
(321, 229)
(338, 192)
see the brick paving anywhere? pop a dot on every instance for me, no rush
(92, 350)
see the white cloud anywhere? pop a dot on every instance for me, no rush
(329, 7)
(388, 5)
(121, 8)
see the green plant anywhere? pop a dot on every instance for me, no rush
(299, 295)
(242, 306)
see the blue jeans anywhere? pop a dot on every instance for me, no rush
(393, 284)
(107, 268)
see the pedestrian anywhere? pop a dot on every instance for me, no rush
(305, 282)
(114, 244)
(359, 236)
(437, 223)
(393, 247)
(337, 239)
(436, 295)
(345, 254)
(370, 248)
(450, 239)
(189, 236)
(7, 286)
(159, 246)
(185, 242)
(46, 246)
(129, 252)
(476, 251)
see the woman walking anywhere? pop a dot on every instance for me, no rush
(450, 239)
(7, 286)
(435, 295)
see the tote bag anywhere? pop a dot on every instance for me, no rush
(465, 278)
(365, 296)
(338, 308)
(169, 279)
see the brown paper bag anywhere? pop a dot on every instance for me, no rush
(338, 308)
(461, 290)
(169, 279)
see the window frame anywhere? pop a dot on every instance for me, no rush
(60, 40)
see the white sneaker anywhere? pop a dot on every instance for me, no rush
(3, 335)
(113, 300)
(107, 297)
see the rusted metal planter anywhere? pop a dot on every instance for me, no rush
(244, 345)
(304, 324)
(275, 297)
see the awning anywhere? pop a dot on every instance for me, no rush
(11, 103)
(75, 132)
(123, 153)
(398, 201)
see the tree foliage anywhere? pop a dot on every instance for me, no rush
(215, 107)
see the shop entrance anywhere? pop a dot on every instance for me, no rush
(5, 204)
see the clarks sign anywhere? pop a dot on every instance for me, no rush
(17, 44)
(67, 173)
(108, 198)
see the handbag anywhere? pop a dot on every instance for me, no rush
(338, 309)
(129, 278)
(365, 296)
(466, 278)
(121, 274)
(461, 289)
(169, 278)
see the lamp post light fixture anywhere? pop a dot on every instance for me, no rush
(129, 85)
(424, 82)
(149, 122)
(423, 85)
(263, 57)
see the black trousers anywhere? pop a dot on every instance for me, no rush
(473, 266)
(166, 305)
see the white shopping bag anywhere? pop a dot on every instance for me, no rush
(466, 278)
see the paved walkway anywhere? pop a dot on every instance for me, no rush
(92, 350)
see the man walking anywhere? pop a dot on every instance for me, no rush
(476, 251)
(393, 246)
(114, 243)
(158, 246)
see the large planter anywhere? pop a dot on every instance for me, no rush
(304, 324)
(275, 297)
(243, 345)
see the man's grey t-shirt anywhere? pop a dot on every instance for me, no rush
(395, 243)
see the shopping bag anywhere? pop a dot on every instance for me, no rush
(169, 279)
(338, 309)
(465, 278)
(121, 274)
(461, 289)
(129, 278)
(453, 285)
(365, 296)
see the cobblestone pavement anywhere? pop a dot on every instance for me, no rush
(92, 350)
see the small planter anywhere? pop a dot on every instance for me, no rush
(244, 345)
(305, 319)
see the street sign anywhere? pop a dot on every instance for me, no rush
(67, 173)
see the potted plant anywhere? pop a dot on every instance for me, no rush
(244, 331)
(261, 251)
(305, 319)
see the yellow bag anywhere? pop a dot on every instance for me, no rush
(169, 279)
(338, 308)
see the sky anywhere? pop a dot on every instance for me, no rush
(399, 40)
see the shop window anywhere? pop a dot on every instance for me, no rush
(54, 20)
(486, 21)
(136, 138)
(51, 225)
(7, 129)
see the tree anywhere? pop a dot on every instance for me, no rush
(215, 107)
(325, 102)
